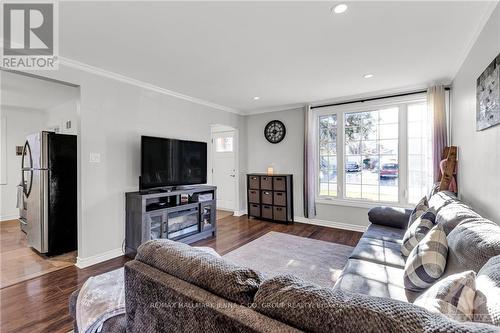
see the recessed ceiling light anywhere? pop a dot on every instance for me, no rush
(340, 8)
(256, 98)
(368, 76)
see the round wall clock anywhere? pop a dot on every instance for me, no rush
(275, 131)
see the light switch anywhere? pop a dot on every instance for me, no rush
(95, 158)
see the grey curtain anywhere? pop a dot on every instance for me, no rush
(310, 173)
(437, 109)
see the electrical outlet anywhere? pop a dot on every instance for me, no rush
(95, 158)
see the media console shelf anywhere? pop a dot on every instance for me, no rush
(185, 214)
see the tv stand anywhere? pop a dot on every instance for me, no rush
(164, 213)
(167, 189)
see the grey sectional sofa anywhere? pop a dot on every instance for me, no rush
(172, 287)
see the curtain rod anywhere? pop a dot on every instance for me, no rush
(373, 99)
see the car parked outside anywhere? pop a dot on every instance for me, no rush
(389, 170)
(352, 167)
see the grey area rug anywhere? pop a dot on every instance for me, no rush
(309, 259)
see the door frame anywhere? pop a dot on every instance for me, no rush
(81, 244)
(217, 128)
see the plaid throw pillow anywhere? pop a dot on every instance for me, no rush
(427, 261)
(419, 209)
(417, 231)
(487, 302)
(453, 296)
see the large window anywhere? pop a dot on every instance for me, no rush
(384, 150)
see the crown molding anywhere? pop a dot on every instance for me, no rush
(122, 78)
(482, 22)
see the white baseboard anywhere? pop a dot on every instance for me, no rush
(331, 224)
(240, 212)
(86, 262)
(9, 217)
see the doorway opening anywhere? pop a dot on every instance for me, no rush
(39, 175)
(224, 167)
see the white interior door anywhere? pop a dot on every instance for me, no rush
(224, 169)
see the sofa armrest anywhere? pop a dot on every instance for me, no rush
(390, 216)
(203, 269)
(160, 302)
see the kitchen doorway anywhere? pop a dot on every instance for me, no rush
(39, 182)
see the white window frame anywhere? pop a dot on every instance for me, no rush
(340, 111)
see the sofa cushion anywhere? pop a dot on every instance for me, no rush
(474, 242)
(379, 251)
(441, 199)
(487, 302)
(452, 296)
(374, 279)
(417, 231)
(389, 216)
(453, 266)
(427, 261)
(202, 269)
(454, 213)
(315, 309)
(419, 209)
(384, 233)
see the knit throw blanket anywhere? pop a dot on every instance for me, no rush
(101, 297)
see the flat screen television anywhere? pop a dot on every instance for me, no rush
(170, 162)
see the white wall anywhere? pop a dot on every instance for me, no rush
(113, 116)
(20, 123)
(59, 115)
(286, 156)
(355, 218)
(479, 153)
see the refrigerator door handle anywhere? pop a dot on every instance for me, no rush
(44, 182)
(26, 150)
(27, 184)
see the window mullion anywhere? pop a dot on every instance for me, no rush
(340, 155)
(316, 130)
(403, 154)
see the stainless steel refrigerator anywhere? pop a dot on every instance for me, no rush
(49, 180)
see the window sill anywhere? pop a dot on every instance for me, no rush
(358, 203)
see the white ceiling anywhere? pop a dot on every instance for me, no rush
(29, 93)
(284, 52)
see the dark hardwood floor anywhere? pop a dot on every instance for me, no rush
(18, 262)
(41, 304)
